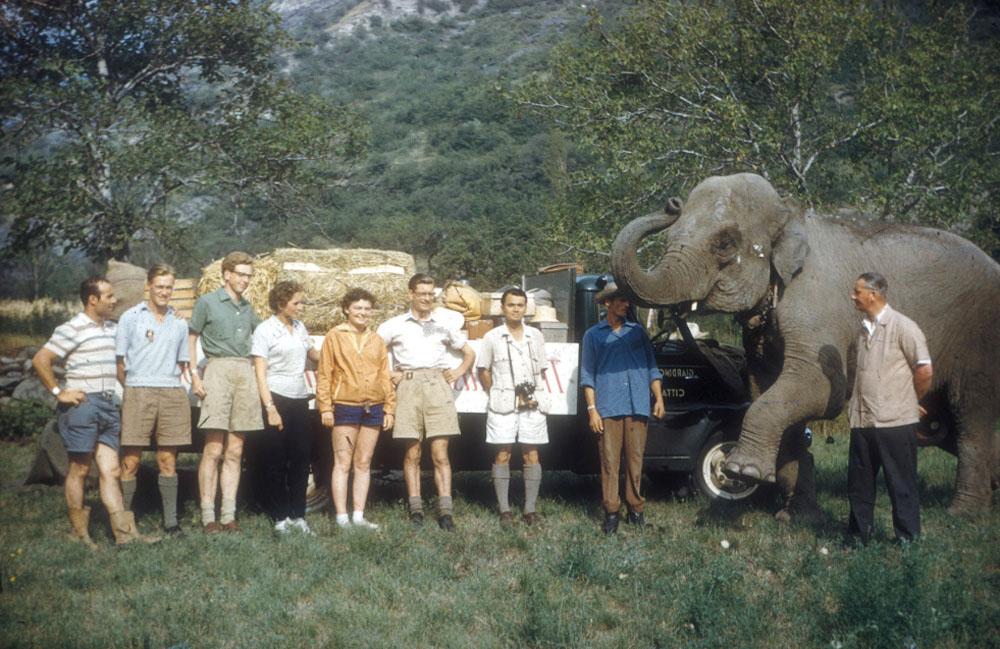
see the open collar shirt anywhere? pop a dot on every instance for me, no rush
(889, 350)
(620, 367)
(152, 349)
(88, 348)
(499, 352)
(225, 326)
(286, 353)
(421, 344)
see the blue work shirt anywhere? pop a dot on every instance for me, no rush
(152, 349)
(620, 367)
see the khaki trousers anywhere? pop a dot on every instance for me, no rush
(630, 433)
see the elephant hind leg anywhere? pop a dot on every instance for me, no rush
(978, 470)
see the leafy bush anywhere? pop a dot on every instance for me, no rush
(24, 418)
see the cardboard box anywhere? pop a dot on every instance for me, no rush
(478, 328)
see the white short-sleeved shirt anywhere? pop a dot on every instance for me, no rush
(421, 344)
(88, 348)
(286, 354)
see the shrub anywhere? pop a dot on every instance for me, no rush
(24, 418)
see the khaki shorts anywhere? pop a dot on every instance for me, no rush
(425, 406)
(164, 410)
(231, 401)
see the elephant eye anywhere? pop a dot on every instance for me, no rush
(726, 243)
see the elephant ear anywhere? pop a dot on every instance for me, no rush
(791, 246)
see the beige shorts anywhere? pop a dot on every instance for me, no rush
(166, 411)
(231, 401)
(425, 406)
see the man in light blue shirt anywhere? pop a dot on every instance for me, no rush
(151, 345)
(618, 373)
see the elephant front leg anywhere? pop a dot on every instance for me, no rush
(796, 479)
(799, 394)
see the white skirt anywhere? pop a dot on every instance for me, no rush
(525, 427)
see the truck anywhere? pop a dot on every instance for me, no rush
(705, 393)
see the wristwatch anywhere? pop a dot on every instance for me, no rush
(56, 391)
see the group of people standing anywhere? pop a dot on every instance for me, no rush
(397, 377)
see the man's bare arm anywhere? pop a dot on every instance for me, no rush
(42, 363)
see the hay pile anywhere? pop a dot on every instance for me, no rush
(265, 271)
(326, 275)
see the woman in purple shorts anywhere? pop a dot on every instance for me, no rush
(355, 397)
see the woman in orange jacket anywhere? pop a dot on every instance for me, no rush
(355, 397)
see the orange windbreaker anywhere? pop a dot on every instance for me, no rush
(353, 369)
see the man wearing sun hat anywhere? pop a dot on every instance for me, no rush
(619, 375)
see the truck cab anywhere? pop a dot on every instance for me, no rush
(705, 392)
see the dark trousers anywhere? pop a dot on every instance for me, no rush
(284, 459)
(894, 450)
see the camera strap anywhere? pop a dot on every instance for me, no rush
(510, 361)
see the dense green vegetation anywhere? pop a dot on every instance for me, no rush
(514, 133)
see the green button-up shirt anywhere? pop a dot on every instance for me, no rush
(226, 327)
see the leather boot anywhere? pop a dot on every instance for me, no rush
(79, 522)
(123, 526)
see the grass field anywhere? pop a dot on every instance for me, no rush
(560, 584)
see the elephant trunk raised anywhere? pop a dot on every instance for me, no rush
(646, 286)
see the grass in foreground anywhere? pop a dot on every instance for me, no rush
(561, 584)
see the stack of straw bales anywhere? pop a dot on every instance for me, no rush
(326, 275)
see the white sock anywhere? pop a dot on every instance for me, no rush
(358, 516)
(343, 519)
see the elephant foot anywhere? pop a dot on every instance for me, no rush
(742, 466)
(792, 513)
(967, 504)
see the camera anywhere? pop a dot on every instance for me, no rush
(526, 396)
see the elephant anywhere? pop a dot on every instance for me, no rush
(785, 274)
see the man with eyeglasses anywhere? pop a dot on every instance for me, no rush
(893, 372)
(418, 343)
(230, 405)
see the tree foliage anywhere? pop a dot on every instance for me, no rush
(838, 102)
(111, 110)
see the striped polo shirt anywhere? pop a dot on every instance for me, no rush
(89, 351)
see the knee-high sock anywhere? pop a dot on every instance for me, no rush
(501, 484)
(128, 492)
(168, 496)
(532, 481)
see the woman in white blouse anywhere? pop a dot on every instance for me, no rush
(281, 346)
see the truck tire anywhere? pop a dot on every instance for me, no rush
(708, 475)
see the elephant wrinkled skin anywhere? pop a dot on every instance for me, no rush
(737, 247)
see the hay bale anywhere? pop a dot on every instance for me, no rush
(326, 275)
(129, 282)
(265, 270)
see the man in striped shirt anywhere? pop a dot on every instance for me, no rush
(89, 421)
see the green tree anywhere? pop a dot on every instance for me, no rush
(838, 102)
(112, 111)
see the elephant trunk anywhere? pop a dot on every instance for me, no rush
(649, 288)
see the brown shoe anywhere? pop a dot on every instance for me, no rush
(211, 528)
(506, 520)
(232, 526)
(530, 518)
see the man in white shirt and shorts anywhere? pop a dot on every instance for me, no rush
(418, 343)
(511, 366)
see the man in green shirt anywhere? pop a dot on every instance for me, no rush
(230, 407)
